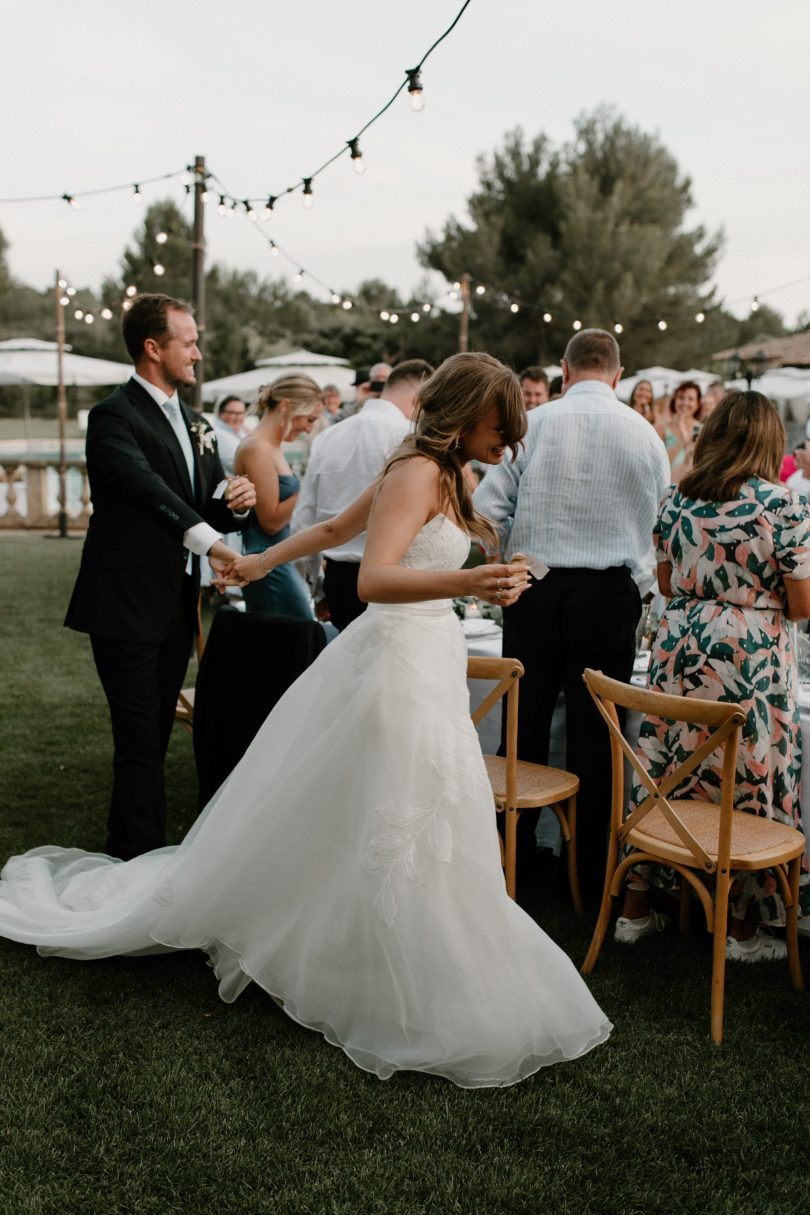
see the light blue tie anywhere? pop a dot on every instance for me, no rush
(172, 411)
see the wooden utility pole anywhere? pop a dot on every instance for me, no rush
(61, 407)
(198, 272)
(464, 326)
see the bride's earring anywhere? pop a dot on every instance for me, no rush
(457, 443)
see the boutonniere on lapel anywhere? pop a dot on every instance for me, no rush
(203, 433)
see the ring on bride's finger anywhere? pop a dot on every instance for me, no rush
(497, 596)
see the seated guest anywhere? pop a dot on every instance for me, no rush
(290, 406)
(733, 549)
(680, 428)
(641, 399)
(229, 425)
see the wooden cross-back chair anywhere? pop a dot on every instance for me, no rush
(691, 835)
(518, 785)
(184, 710)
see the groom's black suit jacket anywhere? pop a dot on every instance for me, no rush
(133, 563)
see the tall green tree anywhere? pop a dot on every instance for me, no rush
(593, 231)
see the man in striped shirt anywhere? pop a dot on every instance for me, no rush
(581, 498)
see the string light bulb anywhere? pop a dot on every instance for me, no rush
(131, 290)
(700, 317)
(273, 249)
(426, 307)
(71, 291)
(299, 274)
(384, 315)
(307, 192)
(271, 202)
(514, 308)
(107, 314)
(394, 318)
(415, 317)
(662, 325)
(62, 284)
(231, 212)
(618, 327)
(347, 304)
(161, 238)
(577, 325)
(356, 155)
(415, 89)
(71, 201)
(78, 314)
(64, 301)
(547, 317)
(221, 209)
(755, 304)
(88, 318)
(249, 212)
(335, 297)
(159, 270)
(480, 289)
(137, 197)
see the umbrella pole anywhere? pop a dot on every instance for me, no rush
(61, 407)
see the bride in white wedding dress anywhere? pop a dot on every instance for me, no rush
(359, 882)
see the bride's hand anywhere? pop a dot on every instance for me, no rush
(248, 568)
(499, 584)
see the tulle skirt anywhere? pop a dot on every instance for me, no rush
(350, 867)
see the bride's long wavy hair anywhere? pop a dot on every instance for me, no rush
(459, 395)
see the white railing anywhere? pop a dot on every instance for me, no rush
(29, 494)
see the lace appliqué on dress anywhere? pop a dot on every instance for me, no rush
(421, 834)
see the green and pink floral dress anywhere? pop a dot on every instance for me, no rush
(724, 636)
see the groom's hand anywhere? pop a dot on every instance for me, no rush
(221, 559)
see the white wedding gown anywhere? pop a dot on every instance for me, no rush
(349, 866)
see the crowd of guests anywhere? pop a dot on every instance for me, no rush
(731, 554)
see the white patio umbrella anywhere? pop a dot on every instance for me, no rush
(323, 369)
(664, 380)
(31, 361)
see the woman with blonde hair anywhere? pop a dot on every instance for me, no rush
(733, 550)
(288, 407)
(350, 864)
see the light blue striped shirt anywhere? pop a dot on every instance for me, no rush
(584, 491)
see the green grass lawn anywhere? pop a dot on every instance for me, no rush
(127, 1086)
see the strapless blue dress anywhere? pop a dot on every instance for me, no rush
(283, 592)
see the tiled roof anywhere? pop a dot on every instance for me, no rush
(792, 351)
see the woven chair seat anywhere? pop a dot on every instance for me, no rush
(755, 842)
(537, 784)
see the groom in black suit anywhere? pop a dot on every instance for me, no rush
(158, 492)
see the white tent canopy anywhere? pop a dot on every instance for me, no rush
(31, 361)
(323, 368)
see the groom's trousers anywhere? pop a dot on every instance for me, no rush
(141, 682)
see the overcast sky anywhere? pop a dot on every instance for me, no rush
(98, 93)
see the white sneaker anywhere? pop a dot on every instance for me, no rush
(627, 932)
(761, 947)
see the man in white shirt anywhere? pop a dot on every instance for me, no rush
(582, 497)
(344, 461)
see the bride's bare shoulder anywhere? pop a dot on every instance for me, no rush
(414, 474)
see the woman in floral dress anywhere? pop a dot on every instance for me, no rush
(733, 548)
